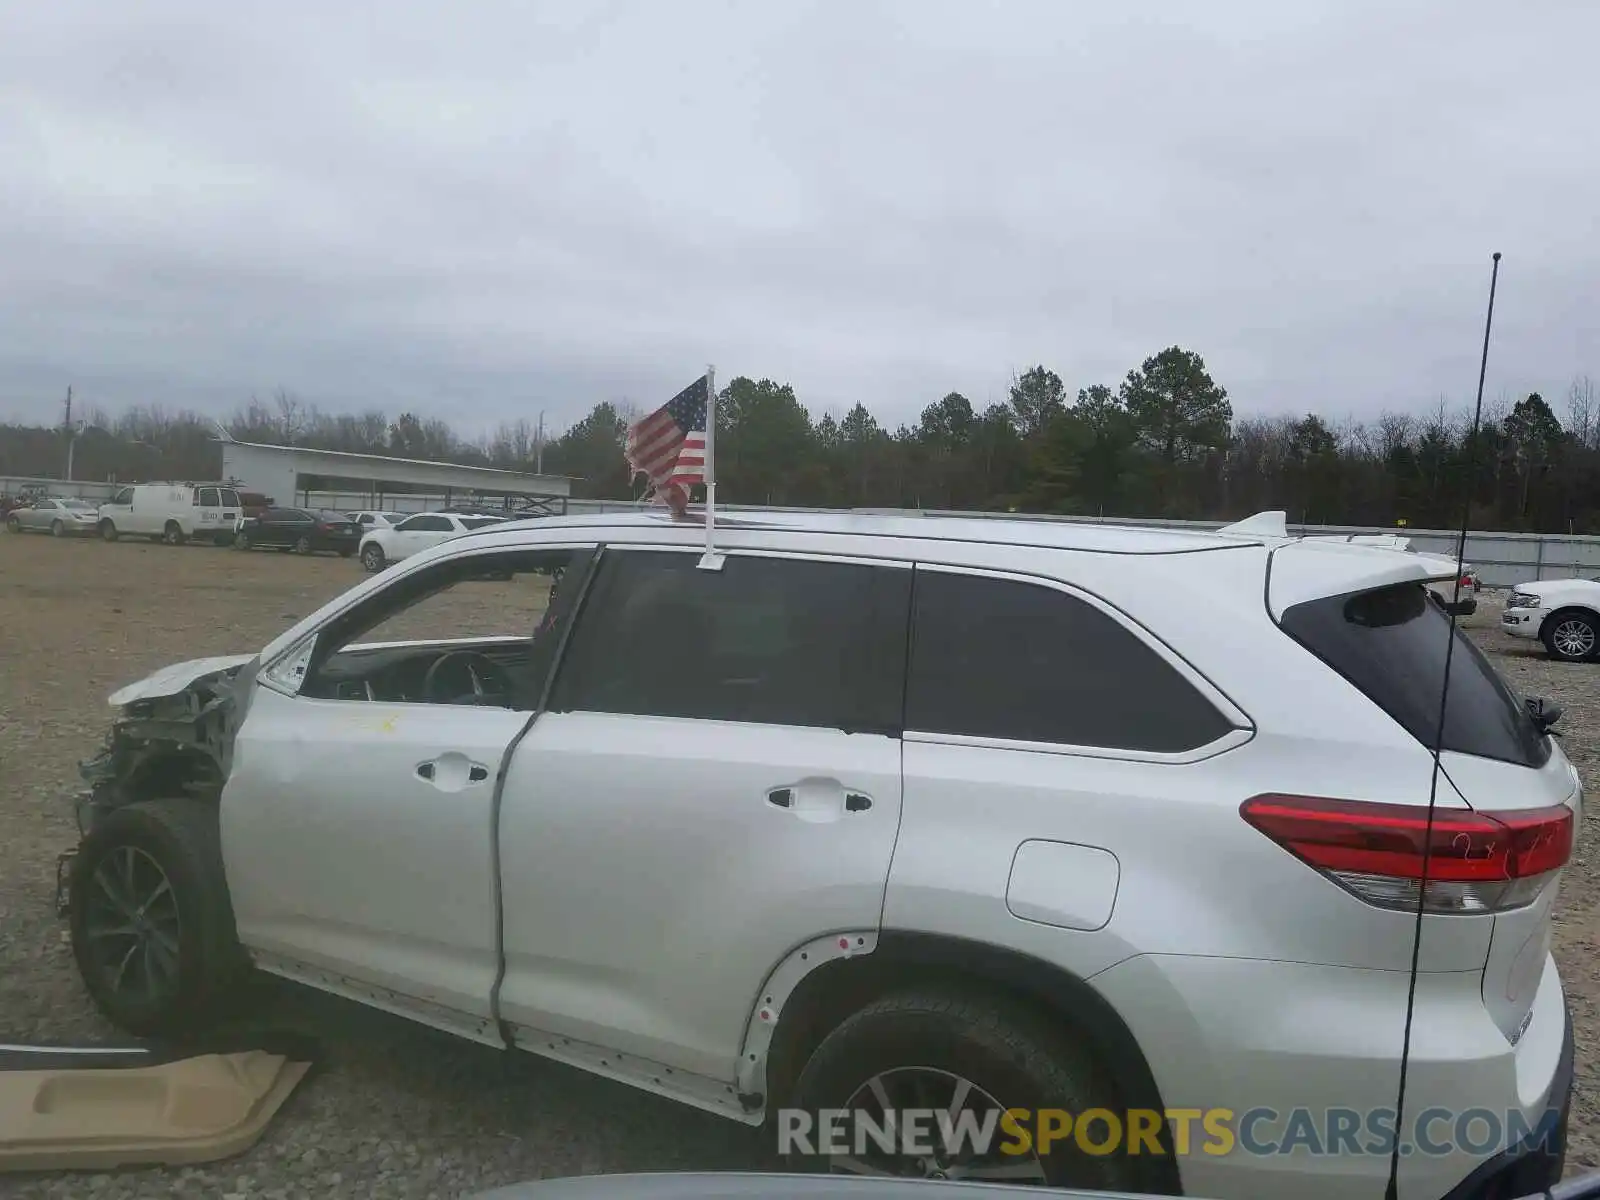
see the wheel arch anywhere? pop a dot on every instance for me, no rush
(840, 985)
(1566, 610)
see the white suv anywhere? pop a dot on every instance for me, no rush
(384, 544)
(883, 813)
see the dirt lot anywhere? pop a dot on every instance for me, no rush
(399, 1111)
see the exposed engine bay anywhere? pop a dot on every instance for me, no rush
(172, 735)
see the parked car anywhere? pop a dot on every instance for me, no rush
(371, 519)
(172, 512)
(1564, 614)
(53, 515)
(877, 812)
(253, 504)
(302, 530)
(1465, 575)
(382, 546)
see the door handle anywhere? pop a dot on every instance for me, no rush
(452, 771)
(816, 799)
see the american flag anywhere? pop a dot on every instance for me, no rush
(669, 446)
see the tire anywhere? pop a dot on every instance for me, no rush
(241, 540)
(302, 545)
(108, 531)
(57, 529)
(13, 525)
(1572, 635)
(172, 535)
(346, 553)
(187, 953)
(1007, 1053)
(372, 558)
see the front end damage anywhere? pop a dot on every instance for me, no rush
(172, 736)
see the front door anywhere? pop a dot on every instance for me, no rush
(357, 821)
(716, 782)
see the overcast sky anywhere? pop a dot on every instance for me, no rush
(483, 210)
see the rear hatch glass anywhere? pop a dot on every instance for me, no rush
(1391, 643)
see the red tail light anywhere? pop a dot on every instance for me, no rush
(1478, 862)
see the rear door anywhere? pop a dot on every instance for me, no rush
(716, 782)
(418, 533)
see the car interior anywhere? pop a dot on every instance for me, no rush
(474, 667)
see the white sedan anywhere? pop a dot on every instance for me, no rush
(1564, 614)
(388, 544)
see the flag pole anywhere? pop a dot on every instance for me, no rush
(711, 560)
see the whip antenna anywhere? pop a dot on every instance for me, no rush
(1392, 1191)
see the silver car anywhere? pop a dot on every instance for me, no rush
(58, 517)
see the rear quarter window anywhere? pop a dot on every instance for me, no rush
(1019, 661)
(1391, 643)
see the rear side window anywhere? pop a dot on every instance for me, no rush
(766, 640)
(428, 524)
(1391, 644)
(1005, 659)
(207, 497)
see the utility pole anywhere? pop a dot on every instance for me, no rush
(538, 453)
(71, 437)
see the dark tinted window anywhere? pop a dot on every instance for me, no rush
(230, 498)
(767, 640)
(427, 524)
(480, 522)
(207, 498)
(1000, 658)
(1391, 644)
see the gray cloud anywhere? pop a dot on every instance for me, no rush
(501, 208)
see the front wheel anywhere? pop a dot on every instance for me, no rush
(172, 535)
(1572, 636)
(975, 1058)
(57, 529)
(152, 926)
(13, 525)
(108, 531)
(241, 541)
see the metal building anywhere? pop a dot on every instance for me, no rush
(297, 475)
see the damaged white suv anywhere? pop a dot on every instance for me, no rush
(881, 814)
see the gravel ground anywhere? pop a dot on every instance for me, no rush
(395, 1110)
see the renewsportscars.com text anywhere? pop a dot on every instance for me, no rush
(1214, 1131)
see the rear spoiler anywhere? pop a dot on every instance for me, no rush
(1313, 568)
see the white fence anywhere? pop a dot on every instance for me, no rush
(1502, 559)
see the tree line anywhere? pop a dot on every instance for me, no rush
(1161, 442)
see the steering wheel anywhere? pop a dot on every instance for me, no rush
(488, 679)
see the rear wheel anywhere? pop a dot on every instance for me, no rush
(152, 925)
(108, 531)
(57, 529)
(372, 558)
(241, 540)
(302, 545)
(1572, 635)
(963, 1052)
